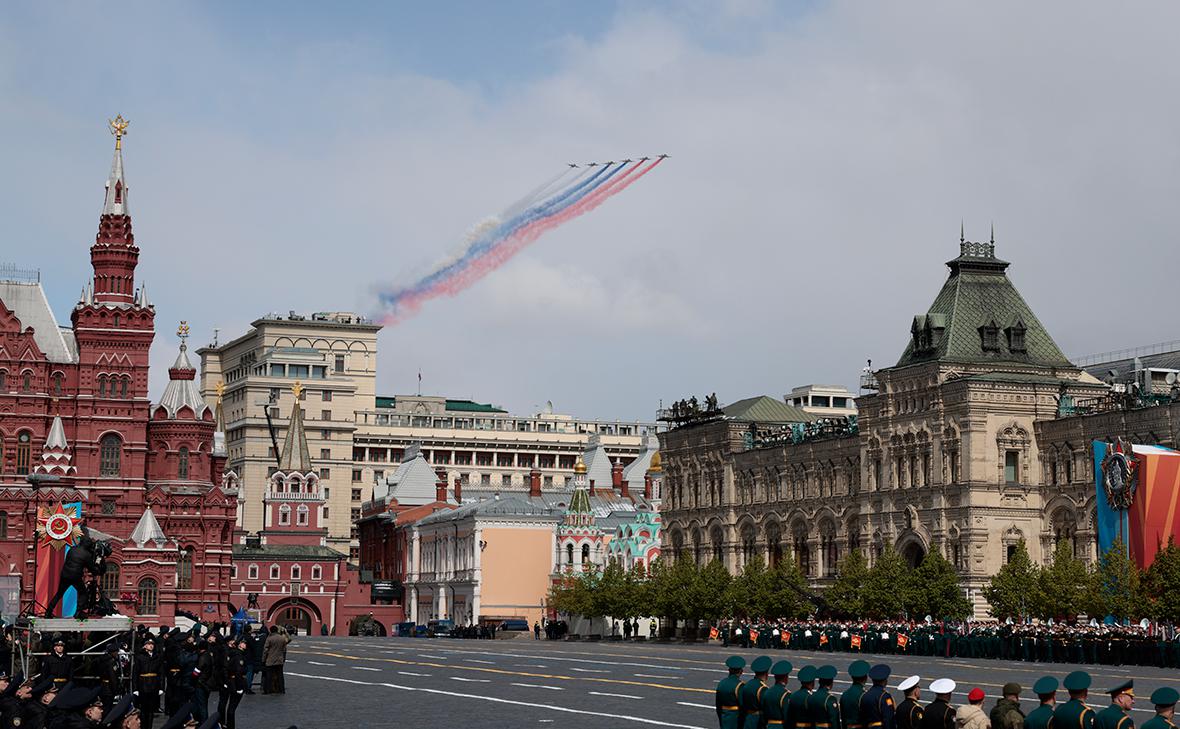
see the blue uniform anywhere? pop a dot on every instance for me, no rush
(877, 709)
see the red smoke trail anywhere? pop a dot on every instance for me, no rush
(529, 234)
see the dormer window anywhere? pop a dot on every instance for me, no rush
(989, 337)
(1016, 337)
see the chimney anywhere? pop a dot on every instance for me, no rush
(534, 482)
(440, 486)
(647, 486)
(616, 474)
(458, 490)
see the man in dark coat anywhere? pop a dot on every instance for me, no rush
(57, 665)
(147, 679)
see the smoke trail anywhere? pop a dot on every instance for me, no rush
(490, 244)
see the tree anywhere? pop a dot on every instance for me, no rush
(886, 585)
(845, 597)
(1063, 584)
(787, 585)
(1115, 588)
(1013, 591)
(934, 590)
(1162, 584)
(751, 592)
(711, 593)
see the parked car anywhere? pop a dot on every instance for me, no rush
(440, 628)
(515, 624)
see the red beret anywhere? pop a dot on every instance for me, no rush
(976, 694)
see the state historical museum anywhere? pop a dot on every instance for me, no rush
(78, 431)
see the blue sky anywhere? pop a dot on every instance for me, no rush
(290, 155)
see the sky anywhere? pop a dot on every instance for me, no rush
(289, 156)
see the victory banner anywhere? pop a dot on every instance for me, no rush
(1138, 496)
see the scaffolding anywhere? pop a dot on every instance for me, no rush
(27, 632)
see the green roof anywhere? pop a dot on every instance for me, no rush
(386, 402)
(287, 551)
(765, 409)
(580, 502)
(978, 294)
(1019, 377)
(469, 406)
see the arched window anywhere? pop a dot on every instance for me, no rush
(274, 572)
(149, 596)
(301, 515)
(102, 385)
(110, 581)
(182, 463)
(3, 525)
(123, 384)
(3, 380)
(296, 572)
(184, 569)
(284, 515)
(27, 381)
(110, 455)
(317, 572)
(24, 448)
(57, 384)
(252, 572)
(569, 554)
(585, 554)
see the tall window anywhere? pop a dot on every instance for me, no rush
(110, 581)
(252, 572)
(24, 446)
(284, 515)
(184, 570)
(3, 380)
(27, 383)
(301, 515)
(182, 463)
(1011, 466)
(274, 572)
(149, 596)
(316, 572)
(296, 572)
(569, 554)
(585, 555)
(57, 380)
(123, 384)
(110, 455)
(339, 363)
(102, 385)
(3, 525)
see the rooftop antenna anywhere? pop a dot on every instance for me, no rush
(216, 331)
(993, 233)
(962, 235)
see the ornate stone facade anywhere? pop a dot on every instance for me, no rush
(945, 455)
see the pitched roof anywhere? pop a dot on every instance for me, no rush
(764, 409)
(289, 551)
(148, 530)
(505, 506)
(28, 303)
(978, 293)
(182, 390)
(414, 482)
(295, 457)
(598, 465)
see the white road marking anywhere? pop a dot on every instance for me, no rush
(701, 706)
(537, 685)
(411, 673)
(589, 670)
(476, 660)
(317, 663)
(366, 668)
(471, 680)
(653, 675)
(437, 658)
(498, 700)
(617, 696)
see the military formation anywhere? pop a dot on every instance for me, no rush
(759, 703)
(1092, 644)
(190, 679)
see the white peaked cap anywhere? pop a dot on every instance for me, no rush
(943, 686)
(909, 683)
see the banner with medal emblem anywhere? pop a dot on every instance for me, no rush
(58, 529)
(1137, 497)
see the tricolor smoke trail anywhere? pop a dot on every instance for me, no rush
(493, 242)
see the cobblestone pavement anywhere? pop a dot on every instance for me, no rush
(426, 683)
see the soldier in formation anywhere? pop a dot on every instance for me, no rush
(754, 704)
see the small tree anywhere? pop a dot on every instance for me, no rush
(787, 586)
(1162, 584)
(886, 585)
(750, 592)
(846, 595)
(1014, 590)
(935, 590)
(1063, 584)
(712, 595)
(1115, 588)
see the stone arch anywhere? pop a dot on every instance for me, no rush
(774, 540)
(912, 546)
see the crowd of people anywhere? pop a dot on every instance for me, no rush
(193, 678)
(1082, 643)
(766, 701)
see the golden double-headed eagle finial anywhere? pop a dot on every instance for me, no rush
(182, 330)
(297, 388)
(119, 129)
(220, 388)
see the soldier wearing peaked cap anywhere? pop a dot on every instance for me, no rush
(728, 688)
(750, 695)
(1074, 714)
(858, 671)
(822, 707)
(877, 710)
(774, 711)
(1042, 717)
(147, 678)
(123, 715)
(939, 714)
(909, 711)
(1118, 714)
(797, 714)
(1164, 700)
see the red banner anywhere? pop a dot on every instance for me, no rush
(753, 636)
(856, 642)
(713, 633)
(823, 638)
(902, 640)
(1155, 505)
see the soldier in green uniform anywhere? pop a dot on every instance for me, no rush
(1074, 714)
(727, 693)
(797, 716)
(1118, 714)
(822, 707)
(750, 696)
(774, 709)
(909, 711)
(1165, 709)
(1042, 717)
(858, 671)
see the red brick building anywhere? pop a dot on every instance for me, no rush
(75, 414)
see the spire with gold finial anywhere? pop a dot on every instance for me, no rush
(116, 190)
(219, 448)
(296, 457)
